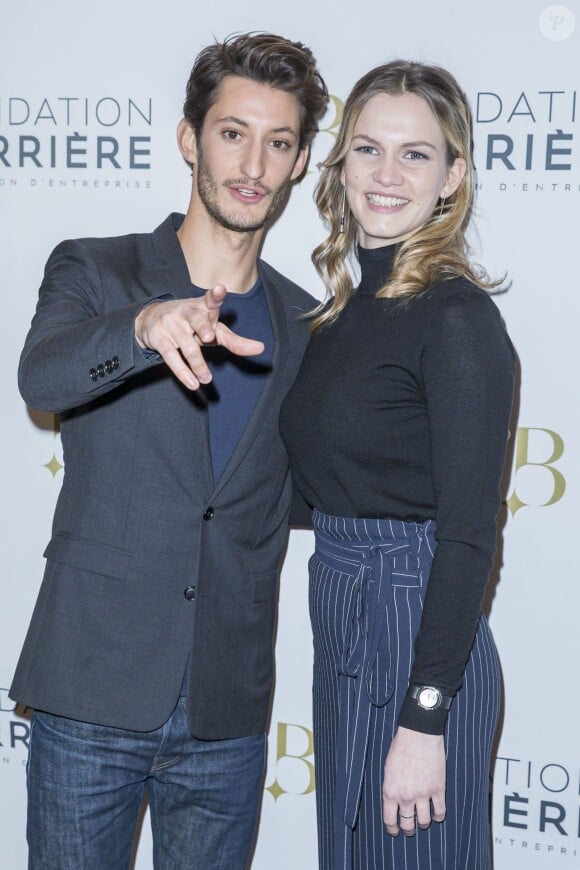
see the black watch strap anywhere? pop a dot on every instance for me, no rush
(429, 697)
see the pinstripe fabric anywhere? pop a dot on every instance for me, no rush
(367, 585)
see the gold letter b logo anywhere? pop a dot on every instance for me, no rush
(297, 764)
(530, 443)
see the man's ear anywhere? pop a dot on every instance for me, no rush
(301, 161)
(187, 141)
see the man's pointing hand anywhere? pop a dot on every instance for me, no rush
(178, 329)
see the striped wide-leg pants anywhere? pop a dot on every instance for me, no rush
(367, 585)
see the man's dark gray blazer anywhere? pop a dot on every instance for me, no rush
(139, 519)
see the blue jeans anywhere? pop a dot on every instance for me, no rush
(86, 784)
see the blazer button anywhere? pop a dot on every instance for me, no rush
(109, 367)
(209, 514)
(115, 362)
(101, 370)
(93, 374)
(189, 593)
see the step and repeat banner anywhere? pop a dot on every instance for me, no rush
(89, 100)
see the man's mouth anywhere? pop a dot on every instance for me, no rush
(246, 193)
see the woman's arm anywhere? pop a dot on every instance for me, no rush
(466, 367)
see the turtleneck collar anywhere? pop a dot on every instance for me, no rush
(376, 265)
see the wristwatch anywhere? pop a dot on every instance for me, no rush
(429, 698)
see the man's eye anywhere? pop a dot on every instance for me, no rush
(281, 144)
(232, 134)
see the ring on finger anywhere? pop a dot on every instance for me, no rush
(401, 816)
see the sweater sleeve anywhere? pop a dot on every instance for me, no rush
(300, 511)
(467, 375)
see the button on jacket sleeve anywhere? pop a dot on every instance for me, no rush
(78, 346)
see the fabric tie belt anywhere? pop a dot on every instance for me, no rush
(368, 661)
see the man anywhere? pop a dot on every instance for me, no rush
(148, 661)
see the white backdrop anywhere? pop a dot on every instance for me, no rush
(85, 87)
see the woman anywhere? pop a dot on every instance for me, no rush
(396, 429)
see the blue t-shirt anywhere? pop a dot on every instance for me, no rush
(237, 381)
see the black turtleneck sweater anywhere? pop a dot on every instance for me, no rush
(401, 410)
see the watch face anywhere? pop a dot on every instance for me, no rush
(429, 698)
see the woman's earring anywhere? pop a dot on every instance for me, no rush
(441, 206)
(342, 210)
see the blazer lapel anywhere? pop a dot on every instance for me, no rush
(165, 268)
(166, 272)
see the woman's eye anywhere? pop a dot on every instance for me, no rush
(232, 134)
(280, 144)
(366, 149)
(417, 155)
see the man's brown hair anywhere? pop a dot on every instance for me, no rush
(265, 58)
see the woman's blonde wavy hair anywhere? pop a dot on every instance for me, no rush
(435, 251)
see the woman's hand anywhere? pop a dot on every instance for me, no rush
(414, 779)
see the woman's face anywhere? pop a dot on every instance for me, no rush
(396, 168)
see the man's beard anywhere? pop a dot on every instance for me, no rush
(208, 190)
